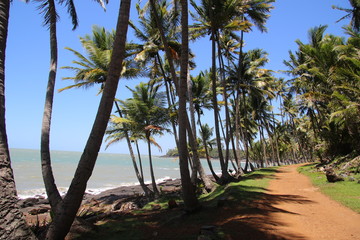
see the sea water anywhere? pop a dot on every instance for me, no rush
(111, 170)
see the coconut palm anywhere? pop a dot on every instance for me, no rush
(48, 9)
(152, 44)
(92, 69)
(68, 207)
(206, 133)
(119, 129)
(190, 200)
(148, 116)
(213, 17)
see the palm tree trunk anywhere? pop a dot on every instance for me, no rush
(152, 174)
(209, 186)
(188, 189)
(139, 175)
(166, 45)
(224, 173)
(48, 176)
(216, 177)
(171, 105)
(12, 222)
(67, 209)
(140, 160)
(225, 97)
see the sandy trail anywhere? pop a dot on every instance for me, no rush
(309, 214)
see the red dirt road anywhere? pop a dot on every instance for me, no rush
(312, 216)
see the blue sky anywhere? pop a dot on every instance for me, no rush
(27, 64)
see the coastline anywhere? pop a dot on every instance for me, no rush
(124, 198)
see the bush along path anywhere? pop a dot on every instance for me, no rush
(305, 213)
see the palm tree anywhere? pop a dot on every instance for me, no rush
(152, 35)
(92, 69)
(149, 116)
(68, 207)
(206, 132)
(188, 190)
(13, 225)
(214, 16)
(148, 52)
(48, 9)
(120, 129)
(353, 13)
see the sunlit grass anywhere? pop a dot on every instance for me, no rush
(345, 192)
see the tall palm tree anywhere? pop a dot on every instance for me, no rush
(212, 17)
(149, 116)
(13, 224)
(353, 13)
(188, 190)
(159, 32)
(48, 9)
(68, 207)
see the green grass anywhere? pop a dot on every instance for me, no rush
(248, 188)
(345, 192)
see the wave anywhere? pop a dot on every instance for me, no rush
(41, 192)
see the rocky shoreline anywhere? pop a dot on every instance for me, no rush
(125, 198)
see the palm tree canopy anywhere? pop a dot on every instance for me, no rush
(93, 69)
(147, 109)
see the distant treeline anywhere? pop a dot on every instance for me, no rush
(214, 153)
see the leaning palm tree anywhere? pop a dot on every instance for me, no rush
(148, 115)
(68, 207)
(13, 225)
(48, 9)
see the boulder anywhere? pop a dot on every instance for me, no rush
(37, 211)
(332, 177)
(128, 206)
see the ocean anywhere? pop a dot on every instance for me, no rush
(111, 171)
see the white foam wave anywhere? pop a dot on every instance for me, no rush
(41, 192)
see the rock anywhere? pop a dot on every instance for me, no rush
(28, 202)
(37, 211)
(332, 177)
(117, 204)
(352, 179)
(172, 204)
(344, 175)
(128, 206)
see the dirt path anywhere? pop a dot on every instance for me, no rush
(308, 214)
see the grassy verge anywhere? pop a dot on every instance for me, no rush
(345, 192)
(147, 223)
